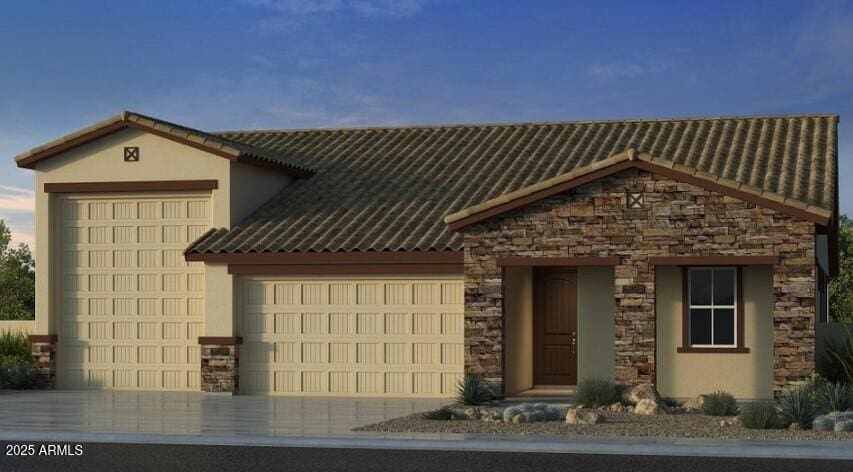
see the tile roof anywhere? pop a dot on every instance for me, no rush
(389, 189)
(214, 142)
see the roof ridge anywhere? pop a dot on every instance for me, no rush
(527, 123)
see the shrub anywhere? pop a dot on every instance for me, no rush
(834, 396)
(532, 412)
(596, 392)
(798, 408)
(719, 403)
(471, 391)
(17, 375)
(837, 360)
(15, 346)
(441, 414)
(759, 415)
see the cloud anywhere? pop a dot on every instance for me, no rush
(15, 199)
(380, 9)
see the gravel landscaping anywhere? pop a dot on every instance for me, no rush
(616, 424)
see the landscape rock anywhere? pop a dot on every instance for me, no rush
(795, 427)
(617, 407)
(728, 422)
(640, 392)
(649, 407)
(532, 412)
(581, 416)
(830, 421)
(694, 405)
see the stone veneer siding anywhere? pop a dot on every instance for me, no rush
(677, 219)
(44, 358)
(219, 368)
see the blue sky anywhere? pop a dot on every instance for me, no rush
(244, 64)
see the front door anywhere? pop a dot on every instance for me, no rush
(555, 320)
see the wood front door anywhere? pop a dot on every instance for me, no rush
(555, 326)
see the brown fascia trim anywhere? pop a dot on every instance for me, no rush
(685, 347)
(312, 258)
(344, 269)
(713, 260)
(558, 261)
(133, 186)
(30, 161)
(646, 166)
(220, 340)
(42, 338)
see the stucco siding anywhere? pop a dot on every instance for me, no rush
(519, 329)
(251, 187)
(746, 376)
(596, 323)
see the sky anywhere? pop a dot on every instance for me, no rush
(273, 64)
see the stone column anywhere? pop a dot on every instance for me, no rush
(220, 364)
(44, 358)
(635, 321)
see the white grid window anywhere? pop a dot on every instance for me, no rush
(713, 306)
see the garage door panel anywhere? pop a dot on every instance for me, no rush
(132, 309)
(360, 336)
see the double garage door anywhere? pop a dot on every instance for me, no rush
(353, 336)
(132, 308)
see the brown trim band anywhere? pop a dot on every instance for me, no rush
(134, 186)
(685, 347)
(220, 340)
(310, 258)
(42, 338)
(649, 167)
(30, 161)
(558, 261)
(713, 260)
(342, 269)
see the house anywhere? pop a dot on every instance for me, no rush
(691, 253)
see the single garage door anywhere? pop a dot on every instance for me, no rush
(132, 308)
(354, 336)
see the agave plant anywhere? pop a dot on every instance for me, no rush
(719, 403)
(470, 390)
(798, 408)
(835, 396)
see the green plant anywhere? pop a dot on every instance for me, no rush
(440, 414)
(596, 392)
(470, 390)
(759, 415)
(798, 407)
(16, 374)
(837, 360)
(15, 346)
(834, 396)
(17, 279)
(719, 403)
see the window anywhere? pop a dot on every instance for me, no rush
(713, 314)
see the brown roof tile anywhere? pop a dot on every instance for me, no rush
(389, 189)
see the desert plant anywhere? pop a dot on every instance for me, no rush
(16, 374)
(596, 392)
(15, 346)
(838, 358)
(798, 407)
(441, 414)
(719, 403)
(834, 396)
(759, 415)
(532, 412)
(470, 390)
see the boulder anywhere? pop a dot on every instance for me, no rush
(650, 407)
(640, 392)
(694, 405)
(578, 416)
(617, 407)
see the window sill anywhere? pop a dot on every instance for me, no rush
(713, 350)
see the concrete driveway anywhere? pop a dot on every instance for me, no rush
(178, 413)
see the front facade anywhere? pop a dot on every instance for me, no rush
(692, 254)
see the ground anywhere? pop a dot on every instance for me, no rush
(618, 424)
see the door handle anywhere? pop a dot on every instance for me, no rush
(574, 342)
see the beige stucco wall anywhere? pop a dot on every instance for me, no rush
(519, 329)
(241, 189)
(596, 323)
(746, 376)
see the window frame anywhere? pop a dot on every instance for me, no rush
(738, 346)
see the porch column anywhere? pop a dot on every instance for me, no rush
(635, 320)
(220, 364)
(484, 297)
